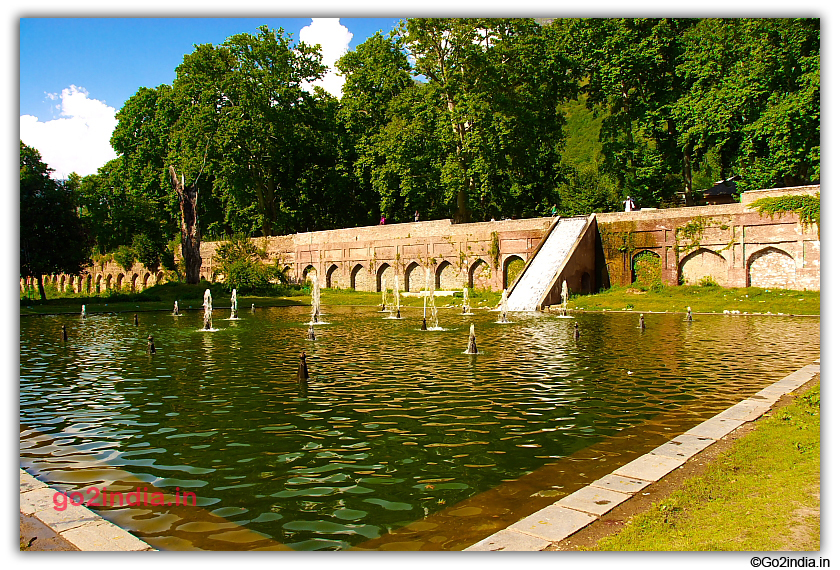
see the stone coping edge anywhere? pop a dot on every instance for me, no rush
(76, 524)
(579, 509)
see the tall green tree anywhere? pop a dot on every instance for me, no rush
(753, 99)
(630, 71)
(376, 73)
(53, 238)
(501, 104)
(243, 113)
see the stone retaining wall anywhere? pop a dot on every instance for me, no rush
(729, 244)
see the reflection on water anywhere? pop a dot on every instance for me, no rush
(400, 432)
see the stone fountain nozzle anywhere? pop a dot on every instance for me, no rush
(303, 371)
(472, 348)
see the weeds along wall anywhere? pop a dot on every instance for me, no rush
(732, 245)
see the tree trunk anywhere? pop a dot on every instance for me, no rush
(190, 237)
(41, 290)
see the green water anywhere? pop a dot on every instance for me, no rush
(396, 425)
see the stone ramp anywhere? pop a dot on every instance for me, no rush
(536, 278)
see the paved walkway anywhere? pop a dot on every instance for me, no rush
(573, 512)
(78, 525)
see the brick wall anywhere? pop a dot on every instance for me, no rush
(731, 244)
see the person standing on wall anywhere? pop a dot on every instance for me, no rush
(629, 206)
(382, 221)
(416, 216)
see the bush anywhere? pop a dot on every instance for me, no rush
(148, 253)
(241, 263)
(707, 281)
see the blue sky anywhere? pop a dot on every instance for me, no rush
(75, 73)
(113, 57)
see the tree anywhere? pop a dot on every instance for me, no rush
(376, 73)
(501, 103)
(190, 234)
(53, 238)
(242, 120)
(243, 266)
(630, 69)
(754, 99)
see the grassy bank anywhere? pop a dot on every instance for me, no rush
(162, 298)
(664, 299)
(761, 494)
(701, 300)
(158, 298)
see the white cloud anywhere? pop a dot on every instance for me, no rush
(335, 41)
(79, 140)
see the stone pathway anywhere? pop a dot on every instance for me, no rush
(573, 512)
(78, 525)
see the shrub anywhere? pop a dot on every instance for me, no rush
(707, 281)
(240, 262)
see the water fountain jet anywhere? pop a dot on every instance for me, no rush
(84, 314)
(397, 294)
(642, 322)
(466, 311)
(208, 310)
(175, 311)
(234, 306)
(310, 334)
(150, 348)
(503, 308)
(64, 332)
(316, 301)
(430, 289)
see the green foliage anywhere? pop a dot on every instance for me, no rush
(805, 206)
(514, 268)
(495, 252)
(241, 263)
(464, 118)
(707, 281)
(586, 190)
(647, 269)
(53, 239)
(125, 257)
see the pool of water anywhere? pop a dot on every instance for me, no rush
(401, 440)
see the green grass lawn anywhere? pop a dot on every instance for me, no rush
(761, 494)
(664, 299)
(701, 300)
(162, 298)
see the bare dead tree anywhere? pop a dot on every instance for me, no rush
(190, 237)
